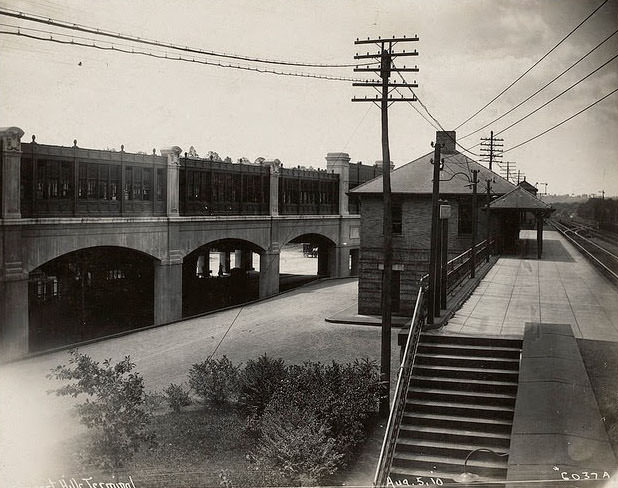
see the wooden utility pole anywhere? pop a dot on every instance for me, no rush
(386, 55)
(491, 149)
(488, 221)
(434, 262)
(475, 173)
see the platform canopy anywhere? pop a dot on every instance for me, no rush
(521, 199)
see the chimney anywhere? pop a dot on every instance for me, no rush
(447, 140)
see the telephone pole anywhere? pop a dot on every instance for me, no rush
(488, 220)
(491, 149)
(475, 180)
(384, 99)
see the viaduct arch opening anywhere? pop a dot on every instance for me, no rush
(89, 293)
(305, 258)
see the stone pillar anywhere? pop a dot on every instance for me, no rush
(273, 166)
(173, 182)
(338, 262)
(269, 273)
(10, 148)
(339, 163)
(354, 262)
(244, 259)
(225, 261)
(13, 314)
(324, 263)
(167, 291)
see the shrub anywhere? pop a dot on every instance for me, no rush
(298, 444)
(214, 379)
(177, 397)
(258, 381)
(114, 409)
(319, 409)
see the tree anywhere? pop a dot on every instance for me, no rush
(114, 410)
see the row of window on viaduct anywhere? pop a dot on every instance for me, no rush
(59, 202)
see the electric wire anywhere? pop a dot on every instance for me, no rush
(180, 58)
(563, 122)
(544, 86)
(531, 67)
(126, 37)
(558, 96)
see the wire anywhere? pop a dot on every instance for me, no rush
(531, 67)
(559, 95)
(226, 332)
(564, 121)
(117, 35)
(544, 86)
(180, 58)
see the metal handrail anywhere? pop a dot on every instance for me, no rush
(389, 443)
(401, 390)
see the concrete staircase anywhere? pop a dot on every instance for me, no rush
(461, 398)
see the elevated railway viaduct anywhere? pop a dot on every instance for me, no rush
(122, 232)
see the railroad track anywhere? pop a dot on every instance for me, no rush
(601, 251)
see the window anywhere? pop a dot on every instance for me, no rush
(397, 217)
(464, 223)
(160, 184)
(114, 182)
(147, 184)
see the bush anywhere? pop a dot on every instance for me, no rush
(258, 381)
(177, 397)
(114, 409)
(298, 444)
(318, 409)
(214, 379)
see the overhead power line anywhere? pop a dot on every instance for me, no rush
(114, 48)
(531, 67)
(126, 37)
(558, 96)
(563, 122)
(544, 86)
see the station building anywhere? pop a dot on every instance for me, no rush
(411, 187)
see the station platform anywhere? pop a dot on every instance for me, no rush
(562, 287)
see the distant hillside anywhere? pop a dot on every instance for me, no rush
(564, 198)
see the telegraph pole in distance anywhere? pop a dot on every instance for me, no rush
(491, 149)
(475, 180)
(386, 55)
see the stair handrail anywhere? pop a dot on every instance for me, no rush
(387, 451)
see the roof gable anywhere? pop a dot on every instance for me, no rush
(520, 199)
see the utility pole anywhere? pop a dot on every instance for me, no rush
(488, 220)
(386, 55)
(491, 149)
(510, 167)
(433, 301)
(475, 174)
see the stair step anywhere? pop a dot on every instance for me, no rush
(463, 409)
(470, 351)
(456, 421)
(493, 468)
(458, 448)
(475, 398)
(468, 385)
(466, 373)
(455, 435)
(471, 340)
(472, 362)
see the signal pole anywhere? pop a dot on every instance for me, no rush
(491, 149)
(475, 180)
(386, 55)
(488, 221)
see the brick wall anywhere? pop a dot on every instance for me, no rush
(411, 249)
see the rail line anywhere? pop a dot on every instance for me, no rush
(579, 236)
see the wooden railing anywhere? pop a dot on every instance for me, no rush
(459, 267)
(401, 390)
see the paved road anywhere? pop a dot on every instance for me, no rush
(563, 287)
(290, 326)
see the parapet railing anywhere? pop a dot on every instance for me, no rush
(460, 266)
(401, 390)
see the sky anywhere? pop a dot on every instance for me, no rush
(469, 50)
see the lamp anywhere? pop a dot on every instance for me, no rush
(466, 476)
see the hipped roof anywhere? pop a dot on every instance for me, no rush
(520, 199)
(416, 177)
